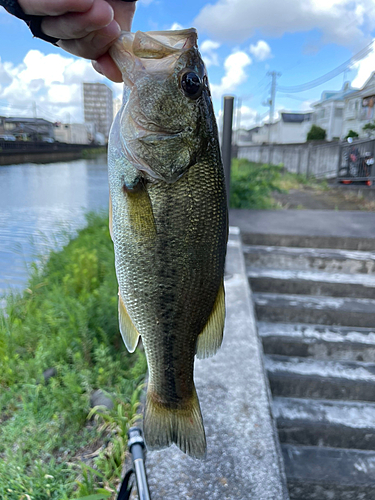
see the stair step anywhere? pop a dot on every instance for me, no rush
(320, 379)
(312, 283)
(315, 422)
(304, 259)
(318, 341)
(296, 240)
(345, 311)
(315, 473)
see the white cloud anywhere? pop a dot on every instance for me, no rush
(53, 82)
(345, 22)
(235, 74)
(247, 117)
(208, 50)
(364, 69)
(176, 26)
(261, 51)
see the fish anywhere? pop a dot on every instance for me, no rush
(169, 225)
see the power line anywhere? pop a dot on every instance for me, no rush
(331, 74)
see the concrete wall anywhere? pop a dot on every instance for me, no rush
(319, 160)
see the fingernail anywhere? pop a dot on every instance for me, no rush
(97, 67)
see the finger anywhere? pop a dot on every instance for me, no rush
(94, 44)
(54, 8)
(124, 13)
(106, 66)
(78, 25)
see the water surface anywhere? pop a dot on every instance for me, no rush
(38, 203)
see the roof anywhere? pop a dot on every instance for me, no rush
(295, 117)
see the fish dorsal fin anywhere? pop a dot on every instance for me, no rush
(211, 337)
(110, 216)
(128, 331)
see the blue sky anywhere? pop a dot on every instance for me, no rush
(240, 40)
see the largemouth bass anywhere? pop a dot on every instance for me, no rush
(168, 222)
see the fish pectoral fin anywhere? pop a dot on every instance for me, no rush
(110, 216)
(128, 331)
(211, 337)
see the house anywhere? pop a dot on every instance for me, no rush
(329, 111)
(359, 108)
(288, 129)
(71, 133)
(34, 129)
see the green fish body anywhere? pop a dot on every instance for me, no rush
(168, 221)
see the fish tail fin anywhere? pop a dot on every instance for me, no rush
(164, 426)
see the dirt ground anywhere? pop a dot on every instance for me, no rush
(336, 197)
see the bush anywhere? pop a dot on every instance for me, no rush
(352, 133)
(316, 133)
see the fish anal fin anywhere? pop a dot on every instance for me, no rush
(110, 216)
(211, 337)
(128, 331)
(183, 426)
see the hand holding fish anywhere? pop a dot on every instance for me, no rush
(85, 28)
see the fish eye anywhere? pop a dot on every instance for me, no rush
(191, 84)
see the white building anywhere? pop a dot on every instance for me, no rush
(98, 106)
(359, 108)
(329, 111)
(71, 133)
(290, 128)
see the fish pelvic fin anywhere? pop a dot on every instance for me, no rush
(128, 331)
(183, 426)
(211, 337)
(110, 217)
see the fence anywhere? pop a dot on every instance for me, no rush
(321, 160)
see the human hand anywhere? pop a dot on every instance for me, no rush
(85, 28)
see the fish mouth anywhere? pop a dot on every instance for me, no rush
(153, 52)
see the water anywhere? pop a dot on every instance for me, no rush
(38, 204)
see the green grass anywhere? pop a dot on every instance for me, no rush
(65, 319)
(252, 184)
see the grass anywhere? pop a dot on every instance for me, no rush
(66, 319)
(252, 184)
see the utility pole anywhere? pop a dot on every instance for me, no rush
(271, 102)
(34, 109)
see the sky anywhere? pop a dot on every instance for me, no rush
(241, 41)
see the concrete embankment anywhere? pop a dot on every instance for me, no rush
(40, 152)
(312, 274)
(243, 455)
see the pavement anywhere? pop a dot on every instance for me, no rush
(328, 223)
(243, 454)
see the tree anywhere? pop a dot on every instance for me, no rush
(316, 133)
(351, 133)
(369, 128)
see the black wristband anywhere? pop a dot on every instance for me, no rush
(33, 22)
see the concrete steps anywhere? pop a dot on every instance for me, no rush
(321, 422)
(306, 259)
(318, 341)
(315, 307)
(312, 283)
(320, 473)
(320, 379)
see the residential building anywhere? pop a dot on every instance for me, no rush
(71, 133)
(359, 108)
(329, 111)
(33, 129)
(290, 128)
(98, 107)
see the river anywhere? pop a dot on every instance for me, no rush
(39, 206)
